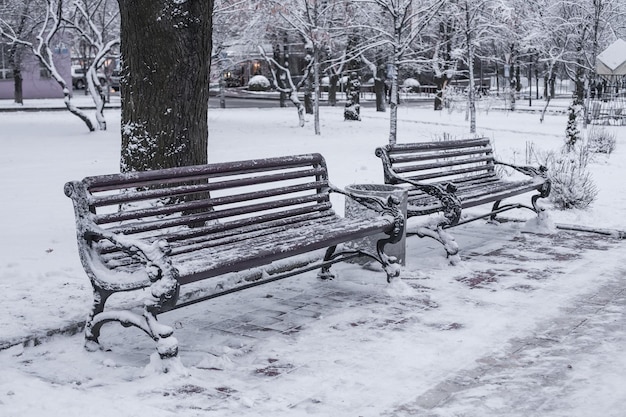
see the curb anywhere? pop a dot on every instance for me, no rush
(42, 336)
(55, 108)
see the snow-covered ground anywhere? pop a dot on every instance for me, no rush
(526, 325)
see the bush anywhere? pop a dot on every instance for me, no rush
(572, 184)
(601, 141)
(258, 83)
(411, 85)
(572, 133)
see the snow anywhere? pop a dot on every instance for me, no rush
(527, 324)
(410, 82)
(260, 82)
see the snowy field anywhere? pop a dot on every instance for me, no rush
(477, 339)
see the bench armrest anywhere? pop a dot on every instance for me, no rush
(154, 257)
(531, 171)
(390, 206)
(373, 202)
(391, 177)
(446, 193)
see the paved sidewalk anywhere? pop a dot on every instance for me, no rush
(80, 100)
(539, 374)
(527, 325)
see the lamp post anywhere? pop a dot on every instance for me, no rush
(530, 84)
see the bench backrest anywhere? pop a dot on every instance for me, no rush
(450, 160)
(205, 198)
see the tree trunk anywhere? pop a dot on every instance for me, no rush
(393, 107)
(18, 92)
(67, 99)
(470, 63)
(308, 95)
(381, 97)
(97, 95)
(332, 89)
(379, 87)
(472, 92)
(441, 83)
(316, 93)
(222, 92)
(15, 62)
(166, 55)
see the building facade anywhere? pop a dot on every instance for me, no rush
(37, 82)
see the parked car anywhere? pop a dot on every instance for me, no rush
(115, 80)
(78, 77)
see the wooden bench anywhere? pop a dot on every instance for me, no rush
(166, 228)
(450, 176)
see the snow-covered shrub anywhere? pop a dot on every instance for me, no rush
(601, 141)
(572, 133)
(411, 85)
(454, 99)
(572, 184)
(258, 83)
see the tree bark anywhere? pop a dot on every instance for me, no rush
(166, 58)
(332, 89)
(441, 83)
(316, 93)
(18, 91)
(381, 99)
(15, 58)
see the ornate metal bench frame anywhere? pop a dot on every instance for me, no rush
(456, 174)
(137, 230)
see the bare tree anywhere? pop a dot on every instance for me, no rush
(397, 29)
(16, 15)
(474, 26)
(97, 23)
(237, 25)
(291, 89)
(47, 34)
(443, 64)
(314, 22)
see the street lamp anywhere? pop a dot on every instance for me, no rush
(530, 84)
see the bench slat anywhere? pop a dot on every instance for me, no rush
(444, 144)
(217, 257)
(492, 187)
(129, 196)
(116, 258)
(283, 217)
(426, 204)
(448, 173)
(268, 232)
(198, 172)
(482, 163)
(241, 232)
(255, 253)
(253, 209)
(209, 203)
(417, 157)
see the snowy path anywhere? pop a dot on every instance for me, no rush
(572, 365)
(527, 325)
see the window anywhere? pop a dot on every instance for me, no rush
(43, 71)
(6, 72)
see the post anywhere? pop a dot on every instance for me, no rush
(530, 85)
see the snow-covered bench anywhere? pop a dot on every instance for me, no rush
(449, 176)
(228, 222)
